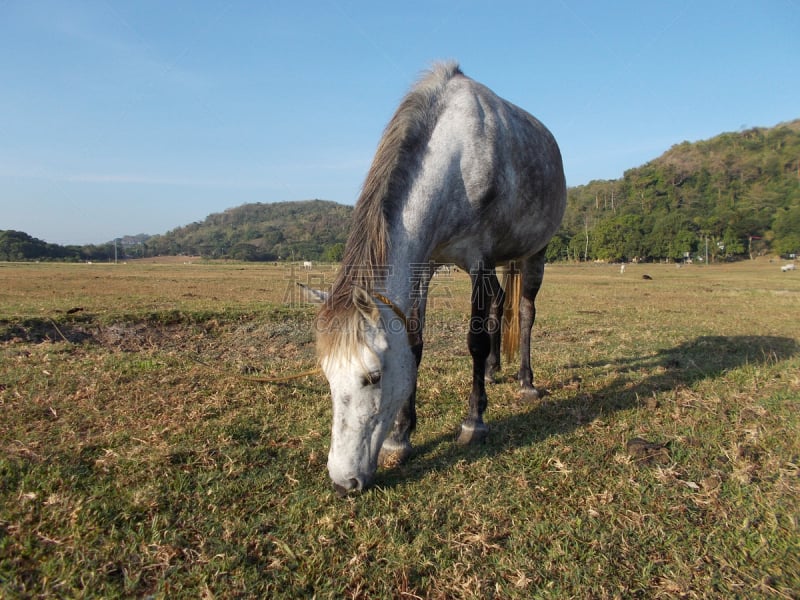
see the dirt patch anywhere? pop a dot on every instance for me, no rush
(37, 330)
(246, 336)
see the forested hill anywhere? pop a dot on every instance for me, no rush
(737, 194)
(308, 230)
(740, 191)
(305, 230)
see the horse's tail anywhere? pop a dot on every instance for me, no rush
(512, 285)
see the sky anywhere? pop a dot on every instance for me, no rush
(127, 117)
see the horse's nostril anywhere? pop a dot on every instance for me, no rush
(342, 490)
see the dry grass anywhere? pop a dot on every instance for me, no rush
(135, 461)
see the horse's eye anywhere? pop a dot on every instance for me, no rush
(373, 378)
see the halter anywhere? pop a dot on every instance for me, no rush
(400, 314)
(395, 309)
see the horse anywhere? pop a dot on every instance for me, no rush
(463, 177)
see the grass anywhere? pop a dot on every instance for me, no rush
(136, 461)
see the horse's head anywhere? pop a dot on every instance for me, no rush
(366, 357)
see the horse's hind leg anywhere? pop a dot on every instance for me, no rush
(532, 276)
(493, 326)
(396, 447)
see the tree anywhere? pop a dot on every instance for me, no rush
(786, 229)
(244, 251)
(334, 253)
(733, 242)
(619, 238)
(672, 236)
(558, 248)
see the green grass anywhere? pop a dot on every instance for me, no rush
(136, 461)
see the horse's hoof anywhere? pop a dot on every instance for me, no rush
(471, 433)
(392, 454)
(530, 393)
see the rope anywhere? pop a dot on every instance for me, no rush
(277, 379)
(283, 378)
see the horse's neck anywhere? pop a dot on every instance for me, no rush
(409, 255)
(427, 218)
(401, 286)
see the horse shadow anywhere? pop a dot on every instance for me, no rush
(699, 359)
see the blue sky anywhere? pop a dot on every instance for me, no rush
(137, 117)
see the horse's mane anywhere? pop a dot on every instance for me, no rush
(366, 253)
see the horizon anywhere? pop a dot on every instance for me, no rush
(351, 204)
(143, 117)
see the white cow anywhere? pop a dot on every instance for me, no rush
(789, 267)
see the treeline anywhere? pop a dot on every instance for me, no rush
(736, 195)
(19, 246)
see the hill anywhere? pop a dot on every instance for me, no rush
(19, 246)
(307, 230)
(738, 191)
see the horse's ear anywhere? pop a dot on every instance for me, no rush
(312, 295)
(365, 304)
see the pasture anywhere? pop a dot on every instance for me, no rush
(138, 458)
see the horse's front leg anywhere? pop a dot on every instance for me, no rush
(484, 288)
(397, 447)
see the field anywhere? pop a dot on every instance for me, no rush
(138, 458)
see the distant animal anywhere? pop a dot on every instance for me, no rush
(647, 277)
(789, 267)
(307, 264)
(622, 269)
(460, 176)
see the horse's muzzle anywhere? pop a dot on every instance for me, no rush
(349, 486)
